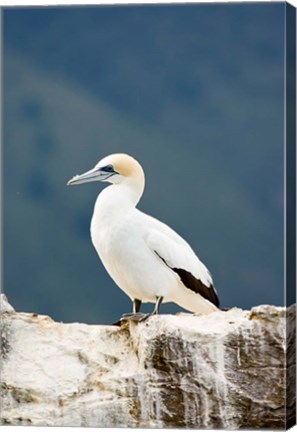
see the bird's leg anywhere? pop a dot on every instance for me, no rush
(136, 306)
(156, 310)
(157, 305)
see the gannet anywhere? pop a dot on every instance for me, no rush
(147, 259)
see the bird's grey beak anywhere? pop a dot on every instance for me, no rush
(95, 174)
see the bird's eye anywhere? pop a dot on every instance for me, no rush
(108, 168)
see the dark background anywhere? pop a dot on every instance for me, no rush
(195, 93)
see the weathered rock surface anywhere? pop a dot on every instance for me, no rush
(224, 370)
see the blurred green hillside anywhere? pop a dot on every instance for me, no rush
(195, 93)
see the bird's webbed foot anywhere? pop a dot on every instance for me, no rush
(126, 317)
(143, 317)
(133, 316)
(146, 316)
(138, 316)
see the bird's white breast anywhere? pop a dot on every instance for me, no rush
(121, 246)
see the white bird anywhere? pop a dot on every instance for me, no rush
(148, 260)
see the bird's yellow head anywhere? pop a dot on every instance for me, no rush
(116, 168)
(126, 166)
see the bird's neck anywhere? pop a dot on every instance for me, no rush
(116, 200)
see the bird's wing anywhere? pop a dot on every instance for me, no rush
(181, 259)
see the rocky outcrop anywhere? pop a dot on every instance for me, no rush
(224, 370)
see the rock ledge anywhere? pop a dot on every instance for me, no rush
(225, 370)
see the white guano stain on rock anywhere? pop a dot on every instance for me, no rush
(224, 370)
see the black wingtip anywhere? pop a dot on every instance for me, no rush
(194, 284)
